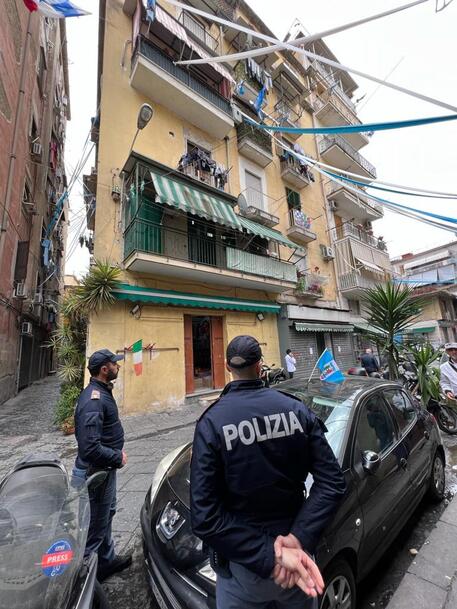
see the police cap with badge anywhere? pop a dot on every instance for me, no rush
(101, 357)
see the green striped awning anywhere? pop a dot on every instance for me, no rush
(312, 327)
(195, 201)
(124, 291)
(200, 203)
(425, 330)
(266, 233)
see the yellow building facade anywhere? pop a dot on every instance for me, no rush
(216, 227)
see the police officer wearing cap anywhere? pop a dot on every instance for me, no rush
(252, 451)
(100, 438)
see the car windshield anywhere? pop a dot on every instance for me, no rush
(333, 411)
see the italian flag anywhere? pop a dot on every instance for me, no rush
(137, 350)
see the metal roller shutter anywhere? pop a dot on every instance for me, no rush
(301, 343)
(342, 350)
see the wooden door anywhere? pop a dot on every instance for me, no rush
(217, 352)
(189, 354)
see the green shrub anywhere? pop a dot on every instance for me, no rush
(66, 405)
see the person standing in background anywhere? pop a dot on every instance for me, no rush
(291, 363)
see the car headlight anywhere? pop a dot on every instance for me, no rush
(170, 521)
(162, 469)
(208, 573)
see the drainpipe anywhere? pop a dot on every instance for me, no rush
(227, 156)
(327, 216)
(17, 125)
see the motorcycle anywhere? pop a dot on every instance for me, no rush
(44, 520)
(271, 375)
(445, 416)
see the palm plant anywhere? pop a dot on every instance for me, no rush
(390, 309)
(428, 376)
(69, 340)
(95, 290)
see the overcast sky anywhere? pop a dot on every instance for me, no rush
(425, 44)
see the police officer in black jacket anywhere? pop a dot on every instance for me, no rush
(100, 438)
(252, 451)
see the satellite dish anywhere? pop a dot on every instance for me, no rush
(242, 203)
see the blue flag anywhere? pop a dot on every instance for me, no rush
(330, 373)
(260, 100)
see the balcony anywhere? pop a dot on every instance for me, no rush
(331, 109)
(199, 32)
(255, 144)
(155, 249)
(287, 117)
(336, 151)
(155, 76)
(359, 234)
(354, 283)
(299, 228)
(311, 285)
(260, 216)
(347, 204)
(293, 173)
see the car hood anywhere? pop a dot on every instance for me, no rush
(179, 476)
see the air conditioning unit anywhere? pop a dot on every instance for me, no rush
(38, 298)
(333, 205)
(26, 328)
(327, 252)
(20, 291)
(36, 149)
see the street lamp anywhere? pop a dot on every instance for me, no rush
(144, 116)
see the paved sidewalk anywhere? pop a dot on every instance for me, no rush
(431, 580)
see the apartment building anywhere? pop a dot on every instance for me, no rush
(433, 274)
(359, 259)
(217, 228)
(34, 108)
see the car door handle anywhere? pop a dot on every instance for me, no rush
(403, 463)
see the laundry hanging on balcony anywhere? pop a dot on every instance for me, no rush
(177, 29)
(363, 128)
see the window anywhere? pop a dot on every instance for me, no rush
(254, 192)
(402, 408)
(22, 257)
(293, 199)
(375, 429)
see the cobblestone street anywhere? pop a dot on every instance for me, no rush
(26, 426)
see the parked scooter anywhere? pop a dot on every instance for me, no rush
(44, 520)
(271, 375)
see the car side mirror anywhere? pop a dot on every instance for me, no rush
(370, 461)
(96, 479)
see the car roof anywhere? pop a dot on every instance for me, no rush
(350, 389)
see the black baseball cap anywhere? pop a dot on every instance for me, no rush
(101, 357)
(243, 351)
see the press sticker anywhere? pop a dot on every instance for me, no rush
(57, 558)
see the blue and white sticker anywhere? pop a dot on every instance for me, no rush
(57, 558)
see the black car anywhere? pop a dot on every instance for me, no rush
(391, 453)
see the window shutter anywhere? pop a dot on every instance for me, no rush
(22, 257)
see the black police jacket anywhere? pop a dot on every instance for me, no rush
(369, 362)
(253, 449)
(98, 430)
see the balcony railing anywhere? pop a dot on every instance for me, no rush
(258, 136)
(286, 114)
(311, 285)
(353, 280)
(336, 140)
(350, 230)
(152, 238)
(290, 163)
(199, 31)
(154, 55)
(333, 187)
(342, 106)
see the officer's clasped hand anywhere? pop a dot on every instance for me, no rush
(295, 568)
